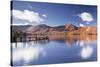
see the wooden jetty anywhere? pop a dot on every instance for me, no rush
(31, 37)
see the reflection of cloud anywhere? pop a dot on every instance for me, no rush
(27, 54)
(81, 43)
(86, 52)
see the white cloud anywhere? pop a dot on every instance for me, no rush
(81, 25)
(18, 24)
(85, 16)
(30, 16)
(44, 15)
(86, 52)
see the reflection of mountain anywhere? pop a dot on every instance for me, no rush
(73, 39)
(68, 32)
(82, 39)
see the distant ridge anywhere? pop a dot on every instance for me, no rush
(43, 28)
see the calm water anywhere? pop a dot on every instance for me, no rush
(54, 51)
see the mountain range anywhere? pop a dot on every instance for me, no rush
(45, 28)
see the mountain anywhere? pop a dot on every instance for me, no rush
(43, 28)
(20, 27)
(38, 28)
(46, 28)
(70, 27)
(58, 28)
(88, 29)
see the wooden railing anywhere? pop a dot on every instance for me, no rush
(31, 37)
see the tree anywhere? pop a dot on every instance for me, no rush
(15, 35)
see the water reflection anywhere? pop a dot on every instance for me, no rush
(29, 43)
(80, 47)
(86, 52)
(74, 39)
(27, 52)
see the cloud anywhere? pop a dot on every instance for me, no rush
(81, 25)
(44, 15)
(85, 16)
(18, 24)
(30, 16)
(86, 52)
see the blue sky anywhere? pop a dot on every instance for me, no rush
(53, 14)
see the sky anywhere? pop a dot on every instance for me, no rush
(52, 14)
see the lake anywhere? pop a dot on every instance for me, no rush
(54, 50)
